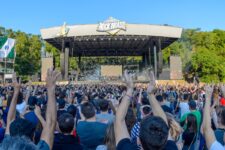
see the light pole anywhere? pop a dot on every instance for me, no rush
(5, 67)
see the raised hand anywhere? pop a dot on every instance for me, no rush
(37, 110)
(16, 84)
(151, 86)
(51, 79)
(209, 91)
(128, 79)
(29, 87)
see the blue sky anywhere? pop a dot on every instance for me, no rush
(30, 15)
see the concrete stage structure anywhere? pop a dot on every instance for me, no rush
(112, 38)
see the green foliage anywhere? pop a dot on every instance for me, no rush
(28, 56)
(202, 53)
(73, 65)
(208, 65)
(50, 49)
(209, 57)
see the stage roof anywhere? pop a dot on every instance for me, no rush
(102, 40)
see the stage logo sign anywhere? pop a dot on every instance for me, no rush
(111, 26)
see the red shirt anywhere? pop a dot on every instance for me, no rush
(222, 101)
(74, 133)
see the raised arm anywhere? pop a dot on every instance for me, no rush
(12, 108)
(140, 95)
(112, 107)
(35, 89)
(206, 124)
(156, 108)
(121, 131)
(28, 91)
(48, 130)
(37, 112)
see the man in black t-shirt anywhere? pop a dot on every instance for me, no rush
(64, 139)
(61, 107)
(165, 108)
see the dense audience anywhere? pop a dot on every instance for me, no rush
(108, 117)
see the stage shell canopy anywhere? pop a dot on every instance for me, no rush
(110, 38)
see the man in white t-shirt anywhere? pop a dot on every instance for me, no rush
(184, 107)
(21, 104)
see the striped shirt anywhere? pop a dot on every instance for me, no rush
(135, 133)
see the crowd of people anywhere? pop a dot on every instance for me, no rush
(109, 117)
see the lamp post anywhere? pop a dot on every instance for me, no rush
(155, 61)
(5, 67)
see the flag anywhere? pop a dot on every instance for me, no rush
(7, 47)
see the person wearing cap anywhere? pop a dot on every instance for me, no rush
(192, 107)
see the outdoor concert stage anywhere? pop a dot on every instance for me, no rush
(112, 38)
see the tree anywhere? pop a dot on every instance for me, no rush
(73, 64)
(209, 66)
(28, 56)
(55, 53)
(209, 56)
(202, 53)
(2, 31)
